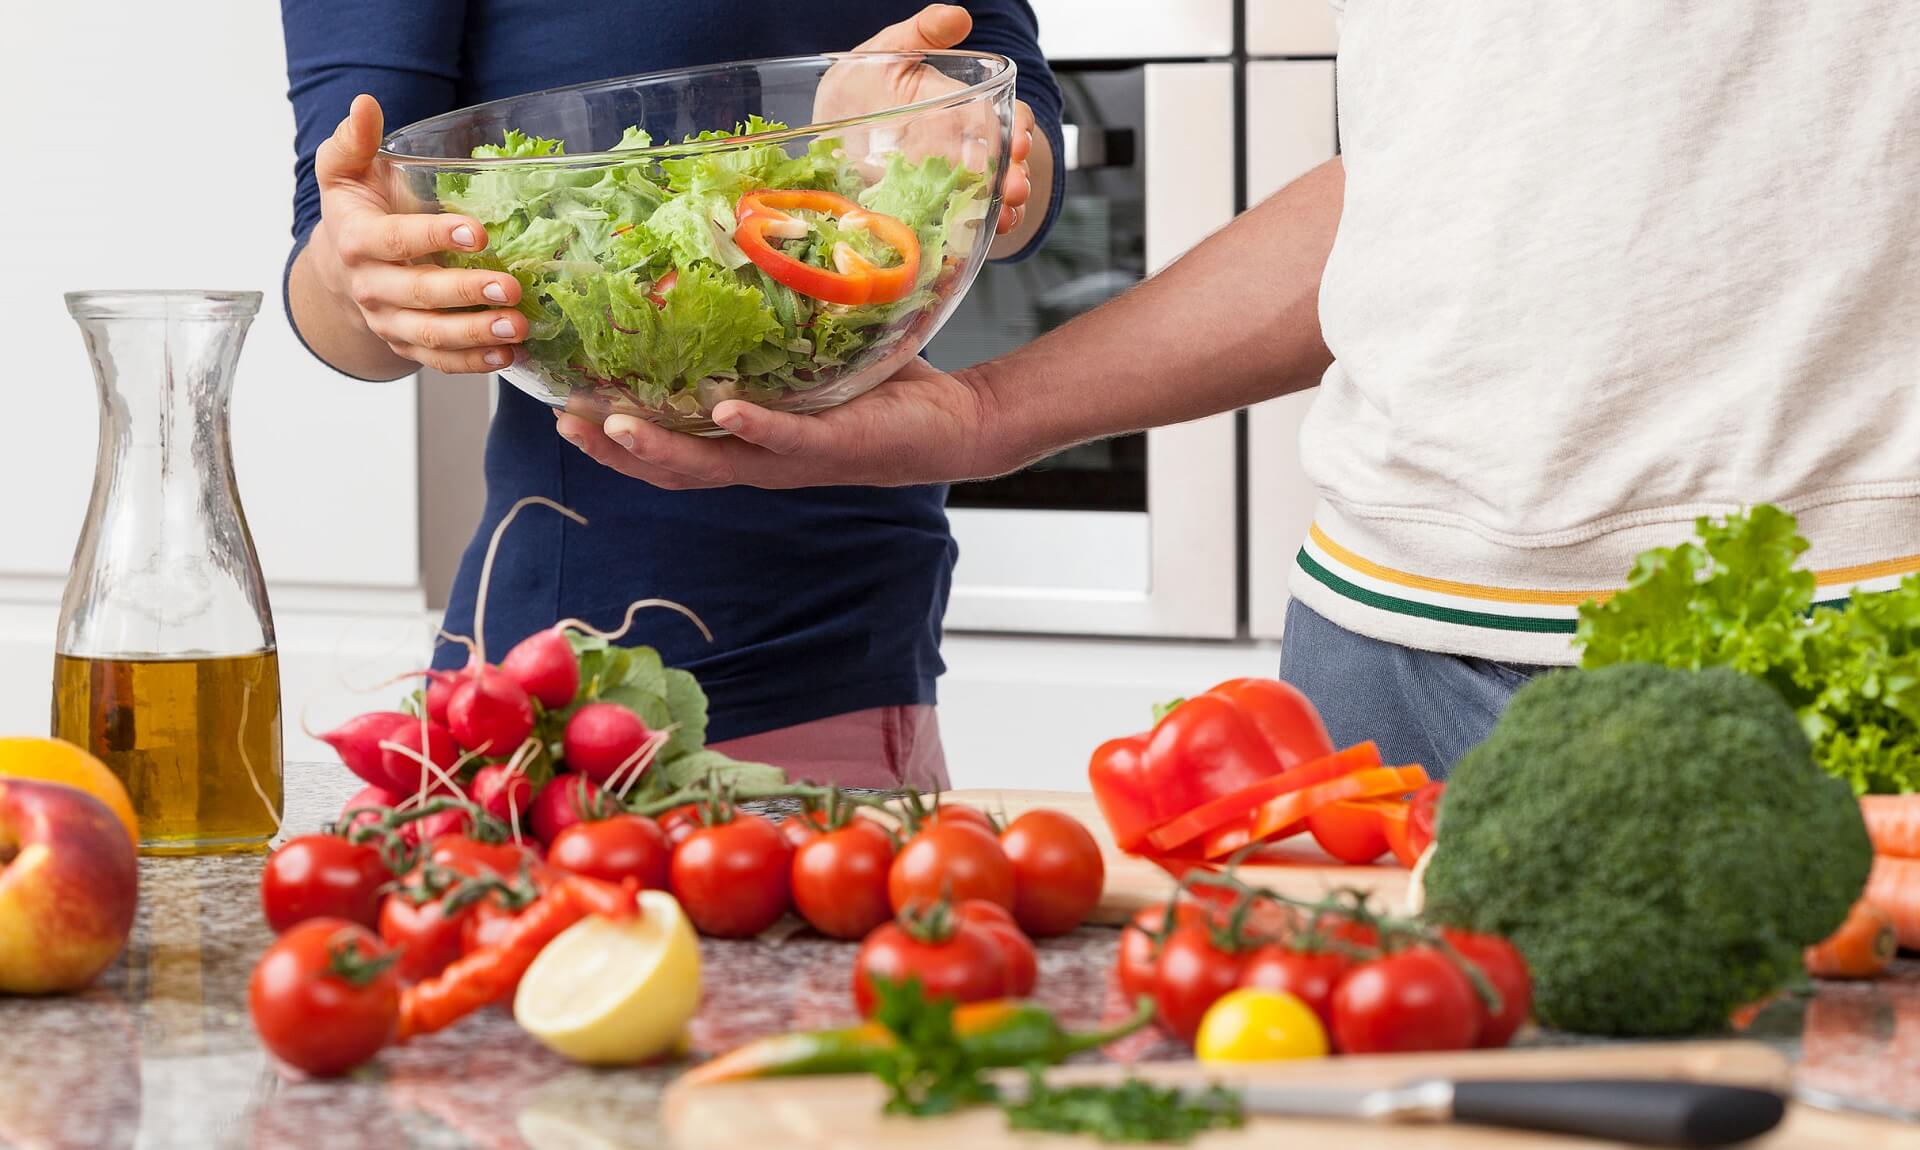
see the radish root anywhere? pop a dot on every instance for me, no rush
(479, 647)
(638, 762)
(626, 624)
(429, 767)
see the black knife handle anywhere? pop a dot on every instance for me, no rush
(1648, 1113)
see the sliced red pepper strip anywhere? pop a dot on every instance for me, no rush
(853, 280)
(1423, 809)
(1392, 812)
(1211, 816)
(1286, 815)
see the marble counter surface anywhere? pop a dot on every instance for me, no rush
(159, 1053)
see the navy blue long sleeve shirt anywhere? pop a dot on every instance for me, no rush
(822, 601)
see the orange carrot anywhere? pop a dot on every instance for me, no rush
(1894, 887)
(1861, 948)
(1893, 823)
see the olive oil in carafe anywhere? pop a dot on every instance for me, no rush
(196, 740)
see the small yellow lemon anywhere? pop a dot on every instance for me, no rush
(57, 761)
(608, 993)
(1249, 1025)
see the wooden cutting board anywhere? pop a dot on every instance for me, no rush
(844, 1111)
(1305, 871)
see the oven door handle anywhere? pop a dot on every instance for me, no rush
(1091, 148)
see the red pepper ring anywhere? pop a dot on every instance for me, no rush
(854, 279)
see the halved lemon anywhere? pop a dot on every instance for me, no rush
(607, 992)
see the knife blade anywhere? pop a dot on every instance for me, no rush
(1847, 1104)
(1643, 1112)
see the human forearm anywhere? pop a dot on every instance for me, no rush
(1233, 322)
(329, 321)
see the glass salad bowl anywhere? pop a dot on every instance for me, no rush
(789, 232)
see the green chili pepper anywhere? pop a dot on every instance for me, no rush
(1000, 1033)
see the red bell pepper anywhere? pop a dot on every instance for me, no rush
(853, 280)
(1423, 810)
(1204, 748)
(1286, 814)
(1184, 829)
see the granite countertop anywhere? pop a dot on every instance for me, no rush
(159, 1052)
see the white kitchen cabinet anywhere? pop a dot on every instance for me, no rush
(1290, 130)
(1028, 712)
(1290, 28)
(1117, 29)
(162, 156)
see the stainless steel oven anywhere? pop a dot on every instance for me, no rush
(1136, 535)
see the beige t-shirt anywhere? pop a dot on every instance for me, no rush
(1603, 268)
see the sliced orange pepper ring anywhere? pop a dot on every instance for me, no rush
(853, 280)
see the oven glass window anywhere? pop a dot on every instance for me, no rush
(1096, 250)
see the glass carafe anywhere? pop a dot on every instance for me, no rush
(165, 665)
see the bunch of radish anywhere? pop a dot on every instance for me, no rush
(476, 732)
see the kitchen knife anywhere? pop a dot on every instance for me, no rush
(1645, 1112)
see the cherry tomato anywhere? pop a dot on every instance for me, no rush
(1251, 1025)
(470, 856)
(1057, 872)
(1423, 812)
(425, 935)
(680, 822)
(963, 966)
(840, 881)
(1139, 954)
(484, 926)
(1411, 1001)
(1340, 931)
(733, 878)
(1193, 973)
(798, 831)
(1309, 976)
(1349, 831)
(624, 846)
(951, 813)
(1016, 949)
(320, 998)
(322, 876)
(1502, 964)
(567, 798)
(953, 862)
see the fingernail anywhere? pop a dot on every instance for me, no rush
(503, 328)
(495, 292)
(623, 438)
(463, 235)
(496, 358)
(731, 420)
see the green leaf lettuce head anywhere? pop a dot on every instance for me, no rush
(1735, 599)
(1657, 843)
(593, 248)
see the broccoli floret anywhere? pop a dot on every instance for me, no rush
(1657, 842)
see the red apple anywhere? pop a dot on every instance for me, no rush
(69, 881)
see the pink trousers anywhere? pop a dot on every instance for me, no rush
(884, 748)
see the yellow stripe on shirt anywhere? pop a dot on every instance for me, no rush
(1836, 576)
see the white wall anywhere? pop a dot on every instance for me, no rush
(154, 149)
